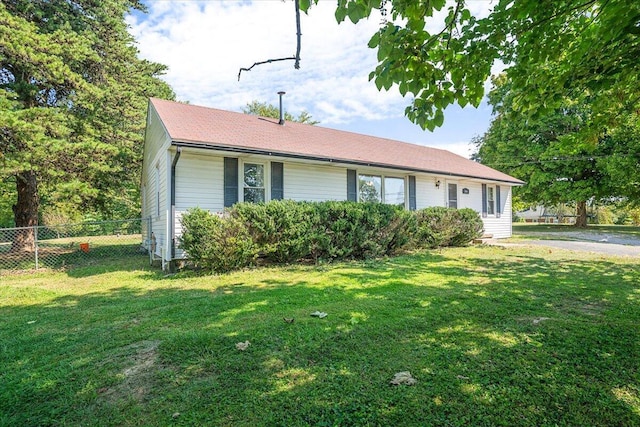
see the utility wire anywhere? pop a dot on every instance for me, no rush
(516, 163)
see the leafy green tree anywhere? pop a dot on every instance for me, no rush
(72, 103)
(623, 166)
(549, 154)
(441, 54)
(6, 201)
(269, 110)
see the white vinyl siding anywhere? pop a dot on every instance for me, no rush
(199, 182)
(427, 194)
(157, 143)
(499, 227)
(473, 200)
(304, 182)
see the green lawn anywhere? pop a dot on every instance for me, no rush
(513, 337)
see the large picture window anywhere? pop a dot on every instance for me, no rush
(381, 189)
(254, 183)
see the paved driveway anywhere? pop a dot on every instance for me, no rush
(588, 241)
(597, 247)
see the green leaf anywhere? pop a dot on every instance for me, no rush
(403, 88)
(375, 40)
(304, 5)
(341, 13)
(438, 119)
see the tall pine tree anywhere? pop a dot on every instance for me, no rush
(72, 104)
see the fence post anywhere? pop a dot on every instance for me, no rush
(35, 242)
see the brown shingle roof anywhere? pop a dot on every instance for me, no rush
(217, 128)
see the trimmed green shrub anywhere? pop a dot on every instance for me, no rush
(359, 230)
(280, 229)
(439, 226)
(287, 231)
(214, 243)
(198, 226)
(469, 226)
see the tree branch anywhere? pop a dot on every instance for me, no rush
(268, 61)
(290, 58)
(298, 34)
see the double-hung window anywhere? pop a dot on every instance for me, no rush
(254, 183)
(491, 203)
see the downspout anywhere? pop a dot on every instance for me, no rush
(172, 225)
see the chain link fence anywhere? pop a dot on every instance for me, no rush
(60, 246)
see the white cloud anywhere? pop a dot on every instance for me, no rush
(464, 149)
(204, 44)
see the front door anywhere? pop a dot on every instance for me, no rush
(453, 196)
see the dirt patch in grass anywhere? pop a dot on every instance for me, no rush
(137, 377)
(593, 308)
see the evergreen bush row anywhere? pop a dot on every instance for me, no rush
(286, 231)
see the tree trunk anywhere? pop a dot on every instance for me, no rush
(581, 214)
(25, 211)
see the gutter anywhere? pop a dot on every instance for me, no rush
(242, 150)
(172, 225)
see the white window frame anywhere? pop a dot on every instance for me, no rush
(266, 179)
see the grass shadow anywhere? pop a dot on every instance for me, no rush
(493, 338)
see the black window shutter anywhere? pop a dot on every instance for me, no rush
(352, 187)
(277, 181)
(412, 193)
(498, 211)
(230, 181)
(484, 200)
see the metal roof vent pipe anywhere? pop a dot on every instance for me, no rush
(281, 122)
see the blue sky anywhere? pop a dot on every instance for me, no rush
(205, 42)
